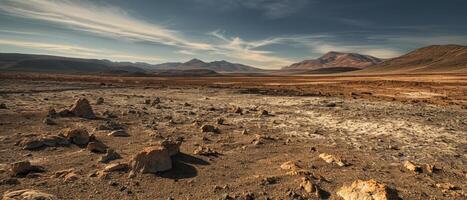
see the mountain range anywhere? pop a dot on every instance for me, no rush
(430, 59)
(46, 63)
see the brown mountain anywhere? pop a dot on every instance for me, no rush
(217, 66)
(430, 59)
(336, 60)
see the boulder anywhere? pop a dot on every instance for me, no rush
(308, 186)
(78, 136)
(27, 194)
(368, 190)
(151, 160)
(54, 140)
(119, 133)
(32, 143)
(172, 145)
(82, 108)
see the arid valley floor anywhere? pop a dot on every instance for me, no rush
(369, 126)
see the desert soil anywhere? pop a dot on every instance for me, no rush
(373, 136)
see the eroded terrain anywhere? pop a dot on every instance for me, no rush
(373, 139)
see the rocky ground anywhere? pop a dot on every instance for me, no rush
(237, 144)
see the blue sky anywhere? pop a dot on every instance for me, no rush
(262, 33)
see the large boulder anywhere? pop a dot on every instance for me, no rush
(27, 194)
(172, 145)
(367, 190)
(23, 168)
(82, 108)
(151, 160)
(78, 136)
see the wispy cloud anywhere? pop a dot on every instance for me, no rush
(77, 51)
(270, 9)
(105, 20)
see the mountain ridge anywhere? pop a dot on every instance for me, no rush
(335, 59)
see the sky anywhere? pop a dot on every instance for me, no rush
(267, 34)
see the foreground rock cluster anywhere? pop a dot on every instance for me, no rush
(144, 143)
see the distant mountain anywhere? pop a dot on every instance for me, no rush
(46, 63)
(430, 59)
(218, 66)
(336, 60)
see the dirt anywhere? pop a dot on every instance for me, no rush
(374, 134)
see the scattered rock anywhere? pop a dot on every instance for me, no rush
(332, 159)
(412, 167)
(236, 109)
(100, 101)
(205, 151)
(220, 121)
(49, 121)
(23, 168)
(97, 147)
(27, 194)
(71, 177)
(209, 129)
(78, 136)
(263, 113)
(151, 160)
(119, 133)
(156, 101)
(290, 165)
(82, 108)
(110, 125)
(109, 156)
(10, 181)
(368, 190)
(116, 167)
(307, 185)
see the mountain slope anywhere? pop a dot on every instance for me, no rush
(46, 63)
(335, 59)
(218, 66)
(430, 59)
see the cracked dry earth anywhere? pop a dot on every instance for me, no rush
(373, 138)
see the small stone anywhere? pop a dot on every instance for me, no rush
(307, 185)
(263, 113)
(156, 101)
(71, 177)
(220, 121)
(97, 147)
(82, 108)
(412, 167)
(332, 159)
(32, 144)
(209, 129)
(100, 101)
(290, 165)
(49, 121)
(3, 106)
(119, 133)
(431, 168)
(237, 110)
(109, 156)
(205, 151)
(447, 186)
(10, 181)
(78, 136)
(370, 190)
(27, 194)
(116, 167)
(51, 113)
(23, 168)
